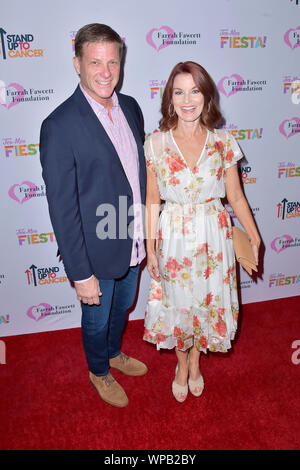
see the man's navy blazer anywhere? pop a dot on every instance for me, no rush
(82, 170)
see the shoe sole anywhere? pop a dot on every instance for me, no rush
(116, 405)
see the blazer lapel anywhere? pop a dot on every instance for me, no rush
(99, 135)
(94, 126)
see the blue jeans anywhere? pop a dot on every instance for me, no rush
(102, 325)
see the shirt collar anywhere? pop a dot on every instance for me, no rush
(97, 107)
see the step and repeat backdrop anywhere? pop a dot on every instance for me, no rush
(252, 51)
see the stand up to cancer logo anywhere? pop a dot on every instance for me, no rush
(18, 45)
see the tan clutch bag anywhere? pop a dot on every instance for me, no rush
(243, 250)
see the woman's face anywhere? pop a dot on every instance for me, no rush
(187, 99)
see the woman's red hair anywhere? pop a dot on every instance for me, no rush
(210, 115)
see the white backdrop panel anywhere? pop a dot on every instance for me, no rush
(251, 50)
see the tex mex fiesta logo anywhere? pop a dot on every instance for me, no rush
(291, 86)
(18, 45)
(288, 170)
(233, 39)
(244, 134)
(18, 147)
(280, 279)
(33, 237)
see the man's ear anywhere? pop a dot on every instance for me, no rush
(76, 63)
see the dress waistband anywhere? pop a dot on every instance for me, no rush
(208, 206)
(212, 199)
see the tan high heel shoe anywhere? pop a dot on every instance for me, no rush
(179, 391)
(196, 386)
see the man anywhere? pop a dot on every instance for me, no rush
(92, 156)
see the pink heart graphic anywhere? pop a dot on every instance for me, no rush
(287, 38)
(237, 77)
(149, 37)
(38, 314)
(288, 240)
(32, 189)
(295, 129)
(3, 95)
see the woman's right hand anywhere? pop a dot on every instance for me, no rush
(152, 265)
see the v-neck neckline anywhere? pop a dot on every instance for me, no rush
(181, 154)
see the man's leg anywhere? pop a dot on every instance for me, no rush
(123, 298)
(94, 327)
(124, 295)
(95, 324)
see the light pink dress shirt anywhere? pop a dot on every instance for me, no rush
(121, 136)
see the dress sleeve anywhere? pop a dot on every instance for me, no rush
(233, 152)
(149, 154)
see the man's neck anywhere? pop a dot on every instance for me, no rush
(107, 103)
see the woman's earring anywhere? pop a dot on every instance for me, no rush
(169, 110)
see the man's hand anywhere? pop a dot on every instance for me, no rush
(88, 292)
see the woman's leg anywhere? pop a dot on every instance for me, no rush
(183, 368)
(194, 366)
(196, 383)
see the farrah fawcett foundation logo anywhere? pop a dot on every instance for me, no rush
(160, 38)
(230, 85)
(25, 191)
(14, 93)
(43, 310)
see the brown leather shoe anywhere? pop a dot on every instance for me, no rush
(128, 365)
(109, 390)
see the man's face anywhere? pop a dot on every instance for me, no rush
(99, 70)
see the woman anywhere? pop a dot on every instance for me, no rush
(193, 303)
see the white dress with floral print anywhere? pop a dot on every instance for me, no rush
(196, 300)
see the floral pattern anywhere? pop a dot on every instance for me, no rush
(196, 300)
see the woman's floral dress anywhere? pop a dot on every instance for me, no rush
(196, 300)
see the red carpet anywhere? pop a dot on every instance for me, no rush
(251, 398)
